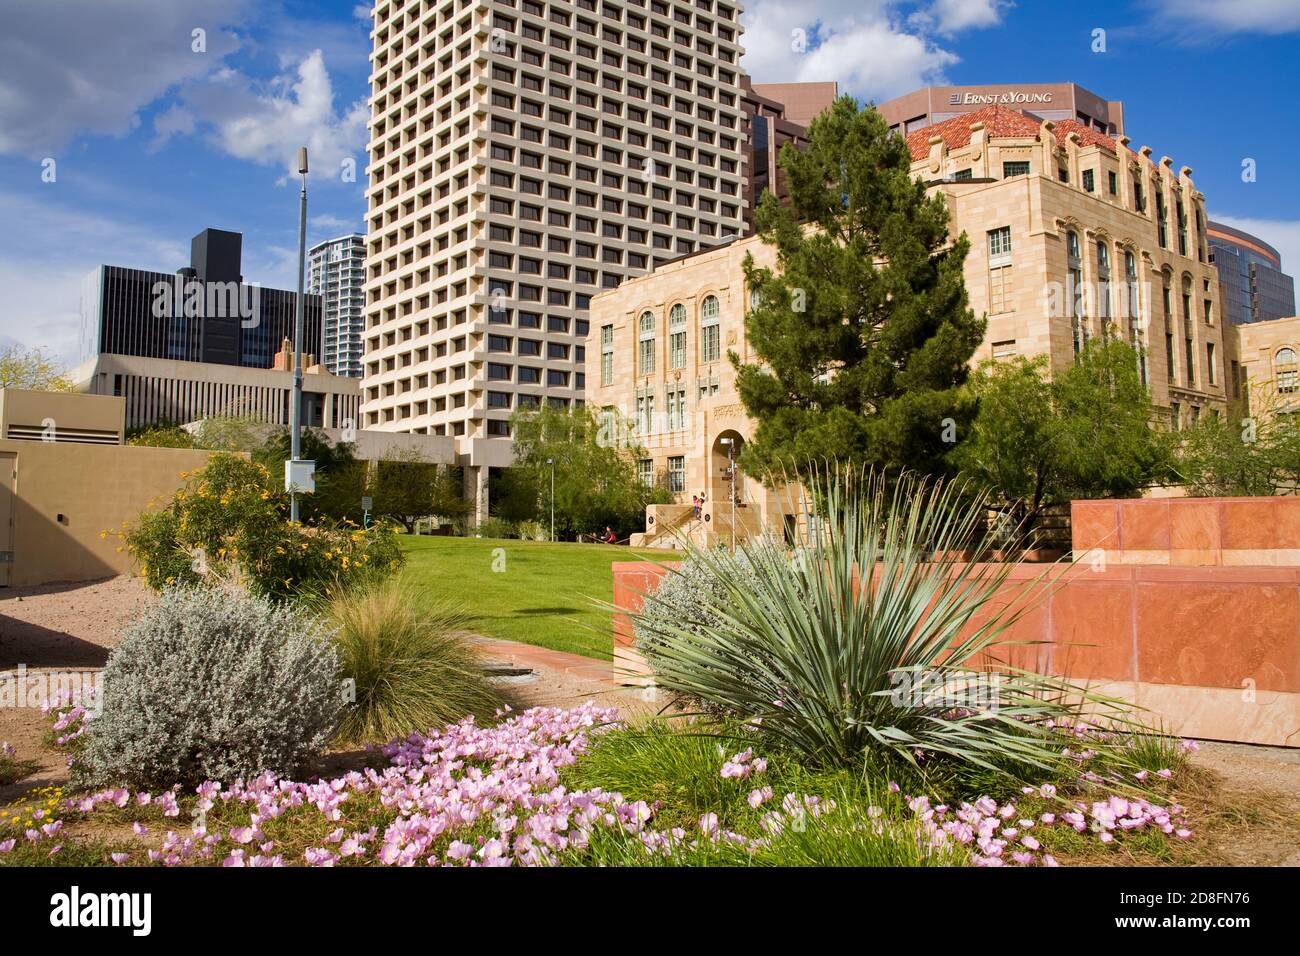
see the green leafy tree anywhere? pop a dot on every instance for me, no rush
(406, 488)
(515, 495)
(1083, 433)
(162, 434)
(594, 458)
(1258, 454)
(32, 369)
(863, 329)
(340, 477)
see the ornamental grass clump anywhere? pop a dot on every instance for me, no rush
(212, 684)
(411, 665)
(872, 644)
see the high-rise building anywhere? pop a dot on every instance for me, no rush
(1255, 289)
(1049, 101)
(204, 312)
(776, 114)
(336, 271)
(523, 156)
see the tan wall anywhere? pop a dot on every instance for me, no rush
(63, 411)
(65, 494)
(1258, 344)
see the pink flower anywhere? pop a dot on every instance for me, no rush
(7, 846)
(759, 797)
(120, 858)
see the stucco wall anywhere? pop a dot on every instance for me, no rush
(65, 494)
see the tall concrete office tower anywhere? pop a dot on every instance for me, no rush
(523, 156)
(336, 271)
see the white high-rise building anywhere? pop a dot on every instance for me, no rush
(523, 156)
(336, 271)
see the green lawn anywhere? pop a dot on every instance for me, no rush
(542, 593)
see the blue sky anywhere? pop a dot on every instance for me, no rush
(152, 140)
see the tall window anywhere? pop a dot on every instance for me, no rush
(1162, 219)
(710, 330)
(677, 336)
(1182, 227)
(645, 472)
(1089, 181)
(1074, 292)
(1189, 347)
(1103, 285)
(677, 474)
(1167, 301)
(1015, 168)
(1000, 299)
(1285, 370)
(1210, 374)
(645, 414)
(607, 355)
(1135, 313)
(646, 344)
(676, 409)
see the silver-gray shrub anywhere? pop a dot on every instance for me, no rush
(213, 684)
(687, 598)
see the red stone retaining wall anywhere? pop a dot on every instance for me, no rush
(1211, 650)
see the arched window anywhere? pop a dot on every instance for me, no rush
(710, 330)
(1285, 371)
(677, 336)
(646, 344)
(1189, 346)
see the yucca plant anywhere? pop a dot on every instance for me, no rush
(412, 666)
(818, 647)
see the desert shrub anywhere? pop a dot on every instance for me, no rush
(495, 528)
(867, 646)
(211, 683)
(412, 667)
(532, 531)
(684, 600)
(228, 523)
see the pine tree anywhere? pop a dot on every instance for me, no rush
(863, 329)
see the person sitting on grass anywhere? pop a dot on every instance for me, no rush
(610, 536)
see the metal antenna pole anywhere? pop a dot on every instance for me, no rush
(295, 410)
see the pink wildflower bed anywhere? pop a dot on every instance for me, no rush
(491, 796)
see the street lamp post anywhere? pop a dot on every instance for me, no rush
(551, 462)
(295, 410)
(731, 479)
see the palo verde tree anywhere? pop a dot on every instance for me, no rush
(863, 329)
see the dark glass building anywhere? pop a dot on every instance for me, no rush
(1255, 289)
(204, 312)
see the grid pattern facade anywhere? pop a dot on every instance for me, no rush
(337, 273)
(119, 317)
(524, 156)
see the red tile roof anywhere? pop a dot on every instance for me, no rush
(1088, 135)
(1000, 122)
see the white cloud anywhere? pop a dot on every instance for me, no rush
(362, 11)
(267, 122)
(1282, 234)
(951, 16)
(42, 280)
(1233, 16)
(869, 46)
(85, 66)
(863, 44)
